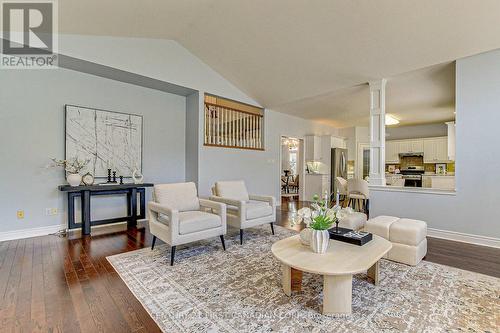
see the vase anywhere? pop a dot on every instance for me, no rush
(319, 241)
(137, 177)
(74, 179)
(305, 236)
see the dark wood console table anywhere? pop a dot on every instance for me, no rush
(85, 192)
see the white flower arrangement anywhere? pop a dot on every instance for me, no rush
(320, 216)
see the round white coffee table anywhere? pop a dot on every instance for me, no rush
(337, 266)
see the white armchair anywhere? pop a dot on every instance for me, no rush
(244, 210)
(177, 216)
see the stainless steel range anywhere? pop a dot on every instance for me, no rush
(413, 175)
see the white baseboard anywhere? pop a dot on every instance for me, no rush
(464, 238)
(27, 233)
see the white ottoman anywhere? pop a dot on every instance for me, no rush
(408, 237)
(354, 221)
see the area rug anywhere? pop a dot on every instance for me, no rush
(239, 290)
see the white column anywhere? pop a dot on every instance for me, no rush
(377, 132)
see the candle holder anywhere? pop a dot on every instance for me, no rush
(121, 180)
(114, 177)
(109, 175)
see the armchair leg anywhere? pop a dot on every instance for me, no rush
(241, 236)
(172, 255)
(222, 241)
(272, 227)
(153, 244)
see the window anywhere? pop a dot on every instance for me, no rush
(232, 124)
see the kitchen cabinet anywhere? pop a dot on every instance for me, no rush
(451, 140)
(313, 148)
(439, 182)
(319, 149)
(443, 183)
(392, 152)
(327, 143)
(426, 182)
(392, 178)
(403, 146)
(442, 149)
(429, 150)
(337, 142)
(316, 184)
(436, 150)
(395, 147)
(416, 146)
(411, 146)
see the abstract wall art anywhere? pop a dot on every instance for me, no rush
(110, 140)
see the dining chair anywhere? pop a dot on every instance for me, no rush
(341, 185)
(359, 194)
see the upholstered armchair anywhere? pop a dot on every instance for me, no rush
(244, 210)
(177, 216)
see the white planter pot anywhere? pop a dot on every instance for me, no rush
(74, 179)
(319, 241)
(305, 236)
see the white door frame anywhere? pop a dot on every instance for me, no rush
(301, 164)
(358, 173)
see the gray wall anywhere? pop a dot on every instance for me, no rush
(173, 150)
(474, 207)
(32, 131)
(260, 170)
(192, 136)
(417, 131)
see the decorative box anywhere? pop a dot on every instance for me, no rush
(350, 236)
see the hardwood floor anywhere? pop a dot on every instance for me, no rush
(52, 284)
(475, 258)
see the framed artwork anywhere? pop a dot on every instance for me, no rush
(109, 140)
(441, 168)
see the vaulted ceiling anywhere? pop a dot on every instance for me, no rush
(419, 97)
(291, 53)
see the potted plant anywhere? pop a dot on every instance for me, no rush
(72, 167)
(318, 219)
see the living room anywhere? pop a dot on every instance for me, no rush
(197, 116)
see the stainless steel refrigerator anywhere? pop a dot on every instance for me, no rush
(338, 168)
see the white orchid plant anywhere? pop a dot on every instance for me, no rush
(320, 216)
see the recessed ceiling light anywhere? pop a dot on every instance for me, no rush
(391, 120)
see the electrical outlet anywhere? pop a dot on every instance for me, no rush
(20, 214)
(50, 211)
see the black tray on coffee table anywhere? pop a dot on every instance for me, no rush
(350, 236)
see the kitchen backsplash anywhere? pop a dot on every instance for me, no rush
(428, 167)
(411, 160)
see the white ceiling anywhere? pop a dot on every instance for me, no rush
(283, 51)
(418, 97)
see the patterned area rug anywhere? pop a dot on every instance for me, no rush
(239, 290)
